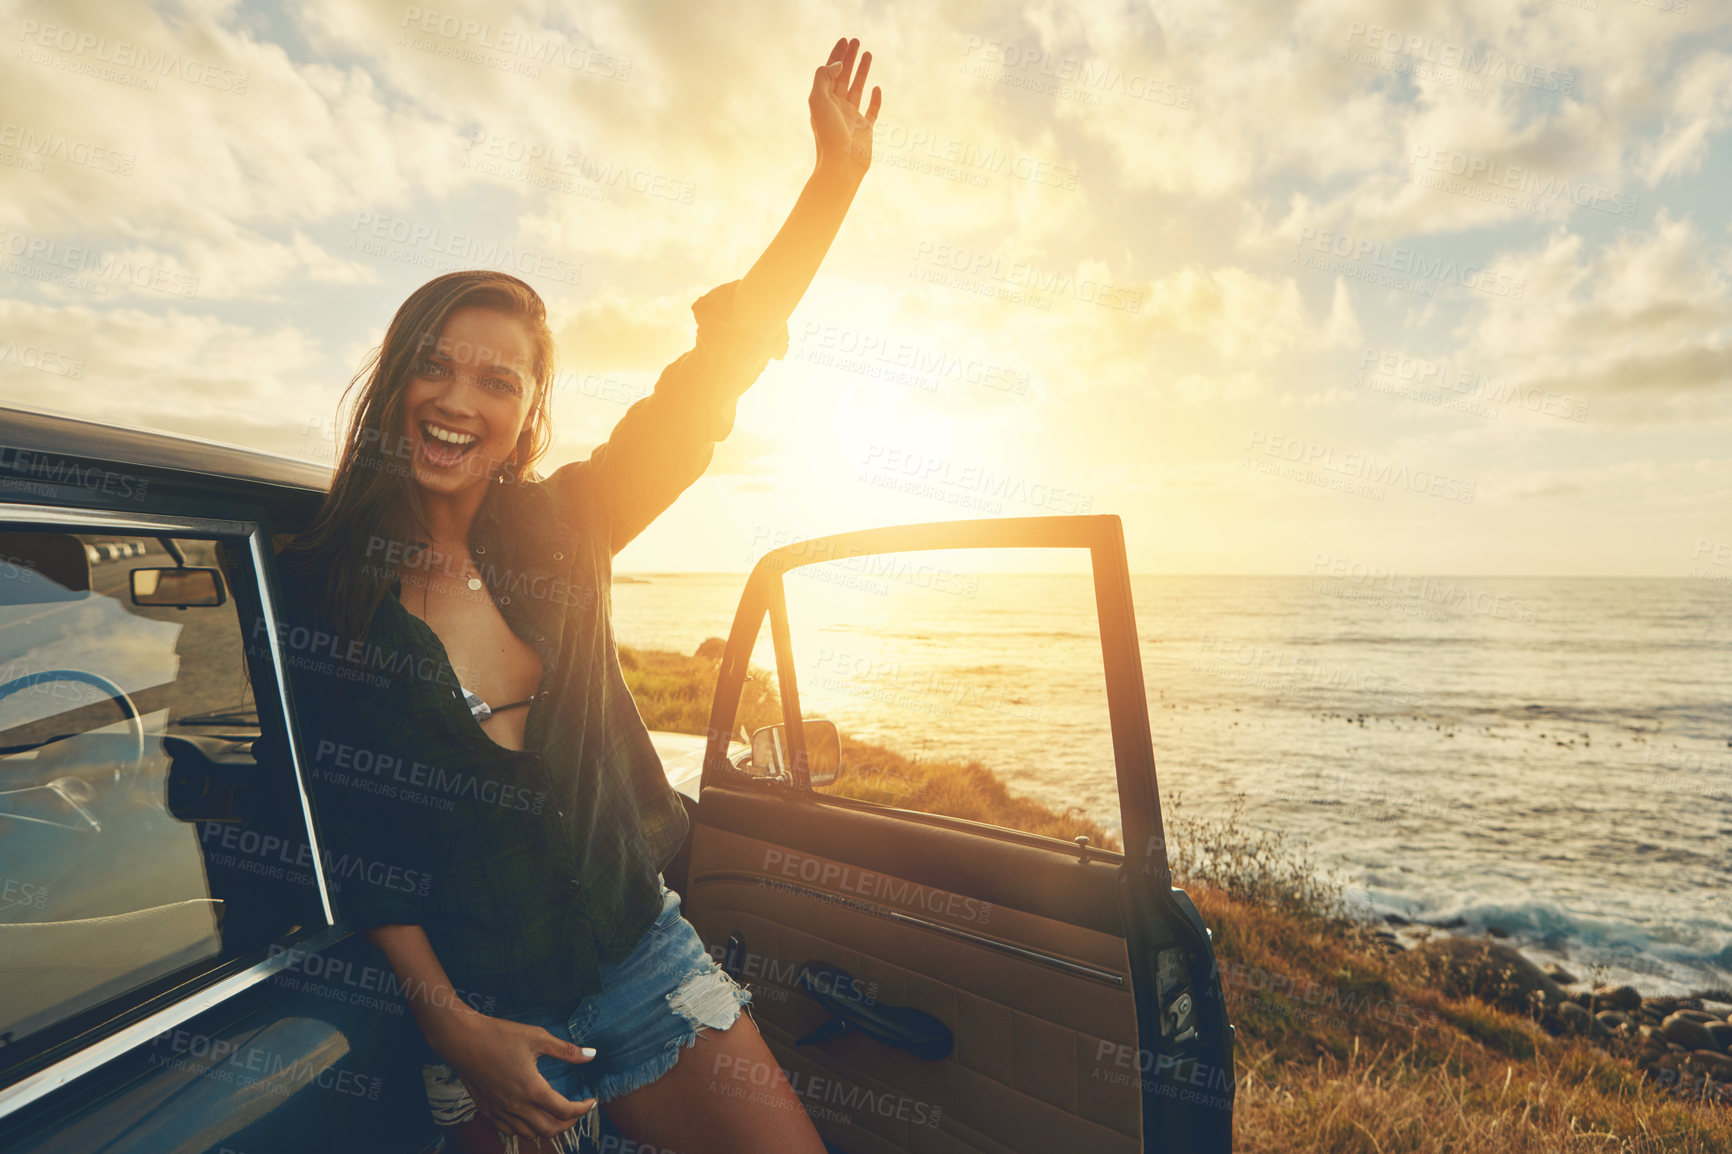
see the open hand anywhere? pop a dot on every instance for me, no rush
(844, 136)
(495, 1057)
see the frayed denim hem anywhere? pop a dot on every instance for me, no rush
(566, 1142)
(708, 999)
(452, 1106)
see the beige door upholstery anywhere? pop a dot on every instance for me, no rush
(1029, 997)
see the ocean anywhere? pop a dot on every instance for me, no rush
(1550, 758)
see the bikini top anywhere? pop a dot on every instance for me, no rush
(482, 710)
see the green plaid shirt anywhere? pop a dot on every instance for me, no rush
(527, 867)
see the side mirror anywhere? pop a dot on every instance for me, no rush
(823, 752)
(179, 588)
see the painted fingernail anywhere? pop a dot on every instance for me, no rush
(588, 1051)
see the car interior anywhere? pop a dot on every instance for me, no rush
(114, 716)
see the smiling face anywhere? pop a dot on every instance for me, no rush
(468, 397)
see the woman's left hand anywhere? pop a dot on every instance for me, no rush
(844, 136)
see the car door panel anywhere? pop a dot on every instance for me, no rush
(1029, 997)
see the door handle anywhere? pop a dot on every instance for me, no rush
(851, 1009)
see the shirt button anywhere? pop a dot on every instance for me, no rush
(559, 556)
(573, 886)
(505, 600)
(481, 548)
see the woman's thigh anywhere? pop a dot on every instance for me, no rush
(726, 1094)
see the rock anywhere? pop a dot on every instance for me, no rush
(1721, 1033)
(1687, 1032)
(1618, 997)
(1558, 974)
(1713, 1063)
(1614, 1022)
(1662, 1005)
(713, 647)
(1491, 972)
(1575, 1018)
(1702, 1016)
(1396, 920)
(1497, 931)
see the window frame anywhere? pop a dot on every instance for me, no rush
(133, 1019)
(1100, 536)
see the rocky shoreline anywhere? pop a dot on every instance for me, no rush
(1680, 1042)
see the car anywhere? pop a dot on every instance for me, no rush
(175, 976)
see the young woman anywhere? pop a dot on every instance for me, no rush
(500, 816)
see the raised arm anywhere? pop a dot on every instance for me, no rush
(778, 280)
(665, 441)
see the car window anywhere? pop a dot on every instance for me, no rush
(125, 776)
(963, 682)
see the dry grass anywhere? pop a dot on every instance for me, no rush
(956, 789)
(674, 692)
(1253, 865)
(1398, 1101)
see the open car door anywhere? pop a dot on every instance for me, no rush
(930, 983)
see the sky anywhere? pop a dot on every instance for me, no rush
(1438, 288)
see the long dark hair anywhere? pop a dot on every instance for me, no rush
(373, 492)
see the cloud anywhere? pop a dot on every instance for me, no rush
(177, 371)
(1643, 325)
(1243, 316)
(616, 331)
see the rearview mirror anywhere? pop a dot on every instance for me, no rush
(823, 752)
(177, 588)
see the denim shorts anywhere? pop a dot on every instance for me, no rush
(652, 1004)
